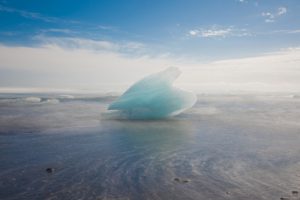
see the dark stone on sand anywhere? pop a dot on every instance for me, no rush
(185, 181)
(177, 179)
(284, 198)
(295, 192)
(50, 170)
(181, 181)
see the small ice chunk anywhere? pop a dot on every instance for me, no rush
(52, 101)
(33, 99)
(66, 96)
(154, 97)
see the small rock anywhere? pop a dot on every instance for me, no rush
(177, 179)
(284, 198)
(49, 170)
(185, 181)
(295, 192)
(181, 180)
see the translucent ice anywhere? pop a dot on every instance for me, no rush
(154, 97)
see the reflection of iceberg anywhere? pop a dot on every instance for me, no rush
(154, 97)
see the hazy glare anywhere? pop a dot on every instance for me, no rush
(110, 71)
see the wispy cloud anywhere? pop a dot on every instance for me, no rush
(102, 27)
(8, 33)
(58, 30)
(75, 43)
(217, 32)
(271, 16)
(50, 19)
(72, 27)
(286, 31)
(34, 15)
(211, 32)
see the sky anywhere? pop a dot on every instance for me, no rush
(98, 45)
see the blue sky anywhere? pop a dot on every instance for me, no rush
(188, 34)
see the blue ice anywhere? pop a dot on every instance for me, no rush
(154, 97)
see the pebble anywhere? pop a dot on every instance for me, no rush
(177, 179)
(185, 181)
(49, 170)
(295, 192)
(284, 198)
(181, 181)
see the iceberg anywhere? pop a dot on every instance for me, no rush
(154, 97)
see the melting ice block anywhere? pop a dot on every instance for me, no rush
(154, 97)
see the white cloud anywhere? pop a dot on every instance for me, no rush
(294, 31)
(270, 17)
(132, 46)
(267, 14)
(273, 72)
(212, 32)
(284, 31)
(193, 32)
(269, 20)
(77, 63)
(281, 11)
(55, 66)
(218, 32)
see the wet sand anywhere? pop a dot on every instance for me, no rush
(226, 147)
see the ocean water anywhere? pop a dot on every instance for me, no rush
(225, 147)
